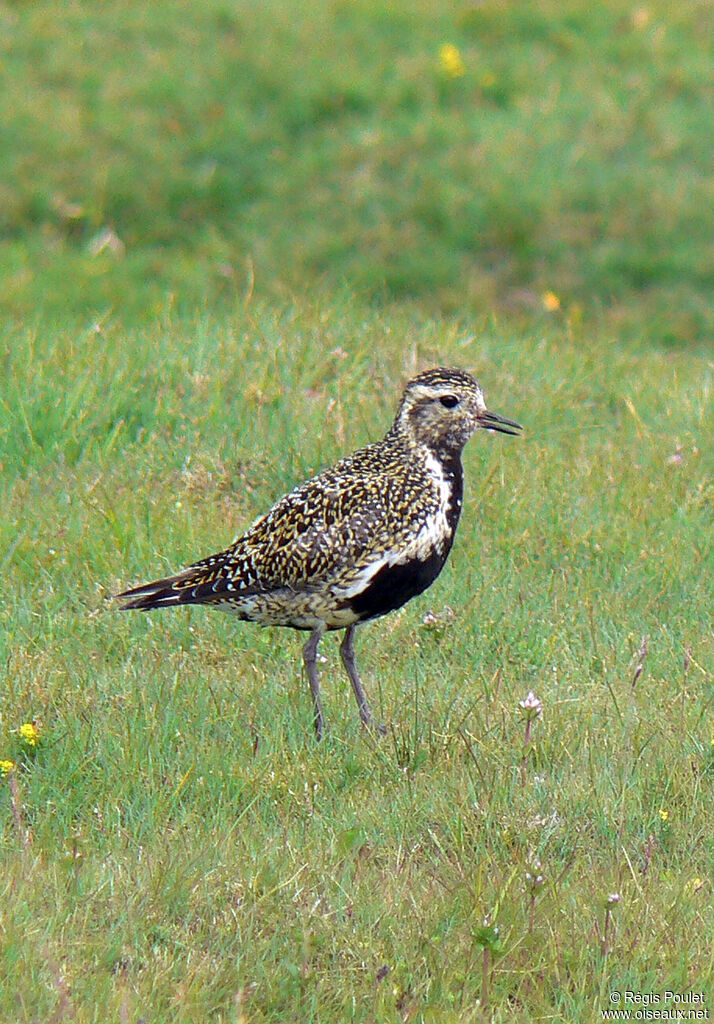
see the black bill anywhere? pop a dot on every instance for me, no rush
(492, 421)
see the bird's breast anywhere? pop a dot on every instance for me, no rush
(405, 571)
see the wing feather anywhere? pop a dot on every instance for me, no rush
(336, 525)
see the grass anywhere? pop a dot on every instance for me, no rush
(228, 233)
(187, 154)
(178, 848)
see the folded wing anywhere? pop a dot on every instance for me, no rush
(321, 532)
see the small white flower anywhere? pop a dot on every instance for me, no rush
(534, 875)
(532, 705)
(534, 880)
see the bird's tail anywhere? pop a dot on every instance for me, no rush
(171, 590)
(209, 581)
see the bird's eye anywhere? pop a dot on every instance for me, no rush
(449, 401)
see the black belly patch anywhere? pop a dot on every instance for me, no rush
(394, 585)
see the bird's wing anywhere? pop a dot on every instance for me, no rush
(319, 532)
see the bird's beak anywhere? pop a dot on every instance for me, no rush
(492, 421)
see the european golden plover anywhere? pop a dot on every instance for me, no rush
(354, 542)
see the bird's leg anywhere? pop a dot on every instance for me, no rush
(347, 652)
(309, 653)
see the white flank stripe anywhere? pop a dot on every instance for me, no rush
(360, 582)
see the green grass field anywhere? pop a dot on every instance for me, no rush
(183, 155)
(178, 841)
(221, 262)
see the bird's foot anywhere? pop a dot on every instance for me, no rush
(375, 728)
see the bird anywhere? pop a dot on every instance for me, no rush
(356, 541)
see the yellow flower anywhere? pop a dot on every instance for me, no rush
(451, 61)
(664, 815)
(551, 302)
(30, 734)
(6, 767)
